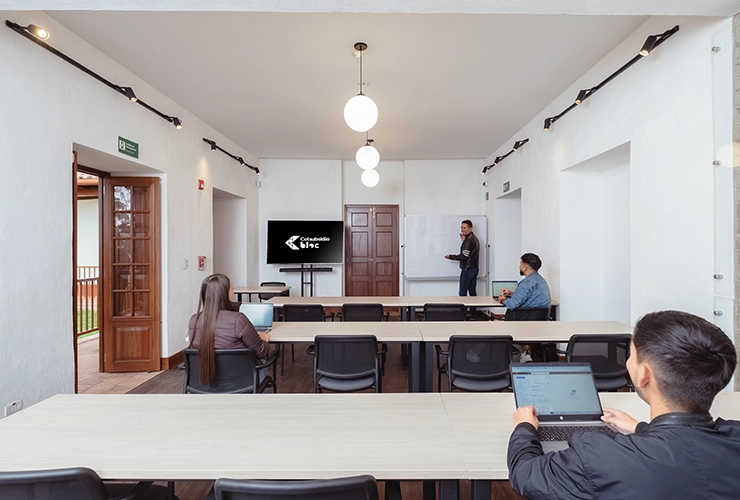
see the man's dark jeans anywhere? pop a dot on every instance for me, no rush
(468, 279)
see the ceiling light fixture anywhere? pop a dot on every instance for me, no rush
(367, 156)
(650, 44)
(360, 112)
(130, 94)
(38, 32)
(370, 178)
(239, 159)
(38, 35)
(517, 145)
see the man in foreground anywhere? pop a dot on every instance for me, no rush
(678, 364)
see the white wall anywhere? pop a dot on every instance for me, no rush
(87, 233)
(37, 356)
(319, 189)
(661, 107)
(507, 236)
(230, 237)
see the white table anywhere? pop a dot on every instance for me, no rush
(521, 331)
(253, 290)
(482, 426)
(204, 437)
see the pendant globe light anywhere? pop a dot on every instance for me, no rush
(360, 112)
(367, 156)
(370, 178)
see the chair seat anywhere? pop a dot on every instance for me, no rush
(346, 385)
(610, 384)
(477, 385)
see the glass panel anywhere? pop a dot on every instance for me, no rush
(121, 278)
(122, 303)
(141, 277)
(122, 225)
(141, 252)
(122, 251)
(122, 196)
(141, 225)
(141, 199)
(141, 305)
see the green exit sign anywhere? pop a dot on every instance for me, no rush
(127, 147)
(506, 186)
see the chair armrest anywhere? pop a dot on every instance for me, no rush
(134, 492)
(440, 353)
(331, 315)
(386, 316)
(270, 359)
(383, 349)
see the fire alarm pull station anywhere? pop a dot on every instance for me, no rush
(201, 184)
(201, 262)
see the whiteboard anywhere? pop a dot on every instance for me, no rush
(430, 237)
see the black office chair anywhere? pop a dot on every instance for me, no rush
(267, 296)
(236, 372)
(476, 363)
(346, 363)
(444, 312)
(307, 312)
(345, 488)
(76, 483)
(545, 351)
(367, 312)
(607, 355)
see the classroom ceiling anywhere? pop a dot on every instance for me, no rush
(446, 85)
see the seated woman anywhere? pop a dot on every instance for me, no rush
(218, 324)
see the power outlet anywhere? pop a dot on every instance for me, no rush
(13, 407)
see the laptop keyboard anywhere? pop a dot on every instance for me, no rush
(564, 432)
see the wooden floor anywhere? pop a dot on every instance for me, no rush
(298, 378)
(92, 381)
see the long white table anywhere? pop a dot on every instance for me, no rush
(423, 437)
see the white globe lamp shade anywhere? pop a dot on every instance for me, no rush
(367, 157)
(370, 178)
(360, 113)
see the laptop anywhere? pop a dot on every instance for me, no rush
(497, 286)
(565, 397)
(260, 314)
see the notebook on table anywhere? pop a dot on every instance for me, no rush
(497, 286)
(565, 397)
(260, 314)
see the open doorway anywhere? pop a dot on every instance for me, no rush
(230, 236)
(507, 236)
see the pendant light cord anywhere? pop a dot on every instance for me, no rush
(361, 72)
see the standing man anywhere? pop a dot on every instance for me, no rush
(468, 258)
(678, 363)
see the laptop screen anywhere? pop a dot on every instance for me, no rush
(559, 391)
(498, 285)
(260, 314)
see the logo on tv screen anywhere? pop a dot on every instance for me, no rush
(305, 242)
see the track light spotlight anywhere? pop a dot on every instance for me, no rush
(582, 95)
(177, 122)
(38, 32)
(519, 144)
(497, 160)
(256, 170)
(130, 94)
(648, 45)
(548, 123)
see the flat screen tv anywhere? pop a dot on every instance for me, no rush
(305, 241)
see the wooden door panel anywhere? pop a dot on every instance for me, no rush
(372, 253)
(131, 224)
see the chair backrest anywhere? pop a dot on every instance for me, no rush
(362, 312)
(528, 314)
(444, 312)
(308, 312)
(346, 356)
(480, 357)
(607, 353)
(268, 296)
(77, 483)
(345, 488)
(236, 371)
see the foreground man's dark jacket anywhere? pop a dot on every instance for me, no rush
(677, 455)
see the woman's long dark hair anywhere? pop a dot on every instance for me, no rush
(214, 297)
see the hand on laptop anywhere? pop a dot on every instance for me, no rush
(619, 421)
(265, 336)
(525, 414)
(505, 292)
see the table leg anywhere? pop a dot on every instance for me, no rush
(449, 489)
(171, 490)
(392, 490)
(429, 490)
(480, 489)
(420, 367)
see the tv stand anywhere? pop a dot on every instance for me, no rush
(306, 269)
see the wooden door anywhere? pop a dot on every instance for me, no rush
(131, 240)
(371, 266)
